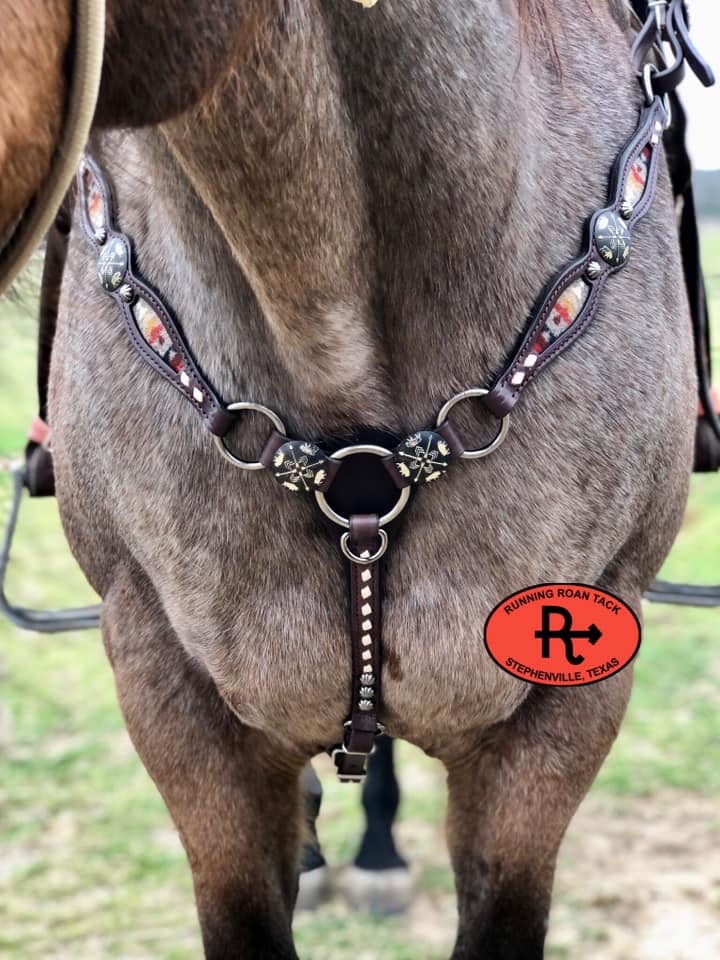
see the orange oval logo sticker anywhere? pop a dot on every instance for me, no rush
(562, 634)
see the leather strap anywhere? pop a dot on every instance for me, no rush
(676, 33)
(148, 323)
(449, 433)
(39, 473)
(365, 634)
(585, 277)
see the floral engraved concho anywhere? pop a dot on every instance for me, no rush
(422, 457)
(300, 465)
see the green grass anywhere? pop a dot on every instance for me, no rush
(89, 864)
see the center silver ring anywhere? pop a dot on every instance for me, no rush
(338, 518)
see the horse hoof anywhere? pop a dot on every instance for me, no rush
(378, 891)
(313, 889)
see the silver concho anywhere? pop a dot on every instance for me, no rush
(422, 457)
(612, 238)
(300, 465)
(112, 264)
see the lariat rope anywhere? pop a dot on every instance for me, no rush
(89, 28)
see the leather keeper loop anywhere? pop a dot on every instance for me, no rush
(274, 442)
(364, 531)
(450, 435)
(391, 467)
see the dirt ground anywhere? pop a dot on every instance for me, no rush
(636, 880)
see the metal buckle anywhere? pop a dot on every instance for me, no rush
(338, 756)
(339, 753)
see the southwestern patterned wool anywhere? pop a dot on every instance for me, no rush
(563, 314)
(155, 335)
(637, 178)
(94, 204)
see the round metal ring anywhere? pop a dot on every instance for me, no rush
(349, 452)
(363, 561)
(648, 70)
(501, 434)
(223, 447)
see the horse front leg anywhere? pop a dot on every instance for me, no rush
(379, 880)
(234, 795)
(314, 884)
(511, 796)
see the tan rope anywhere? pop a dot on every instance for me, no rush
(82, 100)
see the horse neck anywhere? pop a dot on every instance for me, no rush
(378, 202)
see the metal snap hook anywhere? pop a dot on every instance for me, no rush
(660, 7)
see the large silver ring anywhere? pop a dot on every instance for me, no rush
(501, 434)
(363, 561)
(338, 518)
(258, 408)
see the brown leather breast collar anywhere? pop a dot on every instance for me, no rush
(568, 305)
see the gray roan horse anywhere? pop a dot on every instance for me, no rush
(352, 211)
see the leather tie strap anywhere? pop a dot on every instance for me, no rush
(365, 634)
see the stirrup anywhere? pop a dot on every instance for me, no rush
(41, 621)
(683, 594)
